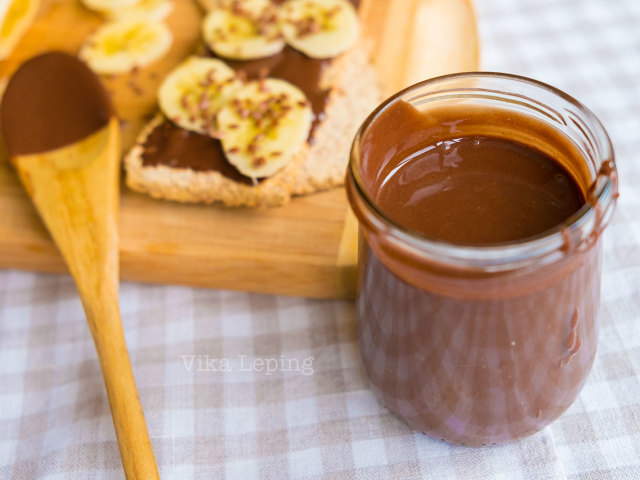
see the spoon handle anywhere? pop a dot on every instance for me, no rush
(104, 321)
(75, 190)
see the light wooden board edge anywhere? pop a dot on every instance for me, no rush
(164, 261)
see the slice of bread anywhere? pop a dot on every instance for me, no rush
(354, 92)
(319, 166)
(188, 185)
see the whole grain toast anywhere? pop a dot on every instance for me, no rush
(320, 165)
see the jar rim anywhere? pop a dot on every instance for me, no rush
(576, 232)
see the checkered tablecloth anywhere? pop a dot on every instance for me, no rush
(248, 386)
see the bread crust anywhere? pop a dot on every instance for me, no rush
(355, 93)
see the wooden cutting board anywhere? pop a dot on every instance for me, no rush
(306, 248)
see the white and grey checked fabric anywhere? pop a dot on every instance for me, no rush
(205, 360)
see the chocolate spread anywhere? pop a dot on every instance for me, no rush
(473, 190)
(175, 147)
(53, 100)
(479, 191)
(290, 65)
(472, 356)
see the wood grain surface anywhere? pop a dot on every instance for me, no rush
(306, 248)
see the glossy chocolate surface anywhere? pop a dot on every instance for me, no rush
(472, 190)
(466, 189)
(176, 147)
(53, 100)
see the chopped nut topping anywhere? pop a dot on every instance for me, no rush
(135, 87)
(264, 112)
(256, 114)
(332, 12)
(264, 21)
(306, 26)
(204, 103)
(236, 8)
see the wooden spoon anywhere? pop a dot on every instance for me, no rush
(64, 140)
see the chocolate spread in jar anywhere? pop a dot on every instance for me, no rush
(188, 152)
(479, 190)
(473, 358)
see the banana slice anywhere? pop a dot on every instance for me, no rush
(103, 5)
(263, 126)
(319, 28)
(16, 16)
(243, 29)
(123, 45)
(191, 95)
(156, 10)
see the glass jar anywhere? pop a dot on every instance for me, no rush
(485, 345)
